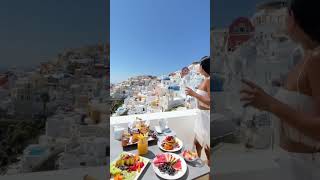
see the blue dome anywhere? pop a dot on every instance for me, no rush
(174, 87)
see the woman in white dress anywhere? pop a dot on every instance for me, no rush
(297, 104)
(202, 124)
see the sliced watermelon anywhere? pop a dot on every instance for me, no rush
(177, 166)
(159, 159)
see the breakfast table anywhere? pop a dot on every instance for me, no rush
(193, 172)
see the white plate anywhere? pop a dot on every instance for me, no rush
(145, 161)
(173, 150)
(178, 175)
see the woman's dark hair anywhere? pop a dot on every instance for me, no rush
(205, 64)
(306, 13)
(185, 68)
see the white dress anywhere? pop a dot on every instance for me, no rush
(297, 166)
(202, 123)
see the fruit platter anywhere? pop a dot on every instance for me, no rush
(127, 167)
(138, 127)
(170, 144)
(169, 166)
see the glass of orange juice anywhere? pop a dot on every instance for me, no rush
(142, 145)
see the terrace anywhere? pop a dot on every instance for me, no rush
(181, 122)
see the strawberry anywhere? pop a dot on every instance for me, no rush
(133, 168)
(169, 138)
(141, 164)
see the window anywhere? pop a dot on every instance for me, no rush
(242, 30)
(263, 20)
(259, 20)
(267, 19)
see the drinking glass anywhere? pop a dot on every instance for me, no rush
(118, 132)
(163, 124)
(142, 145)
(248, 140)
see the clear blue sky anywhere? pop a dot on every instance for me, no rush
(157, 36)
(34, 31)
(225, 11)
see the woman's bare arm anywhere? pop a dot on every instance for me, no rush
(203, 99)
(208, 87)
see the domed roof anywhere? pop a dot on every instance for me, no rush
(241, 20)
